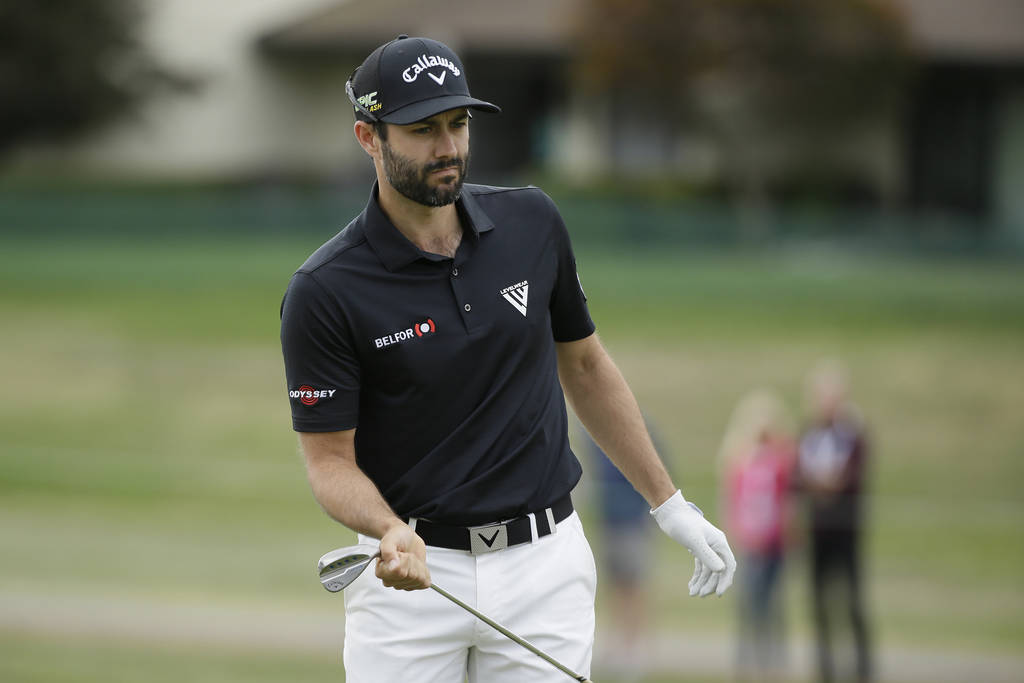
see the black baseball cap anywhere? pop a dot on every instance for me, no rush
(408, 80)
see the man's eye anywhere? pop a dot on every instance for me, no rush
(460, 123)
(423, 130)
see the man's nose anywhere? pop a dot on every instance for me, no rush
(445, 145)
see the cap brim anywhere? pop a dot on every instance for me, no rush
(417, 111)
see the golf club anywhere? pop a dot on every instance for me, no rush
(341, 567)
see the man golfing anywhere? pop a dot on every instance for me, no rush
(427, 347)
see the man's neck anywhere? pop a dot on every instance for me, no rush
(434, 229)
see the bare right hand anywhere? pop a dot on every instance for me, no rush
(403, 560)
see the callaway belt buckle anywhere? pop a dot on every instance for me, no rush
(488, 538)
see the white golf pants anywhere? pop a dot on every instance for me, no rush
(541, 591)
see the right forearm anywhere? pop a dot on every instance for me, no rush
(349, 496)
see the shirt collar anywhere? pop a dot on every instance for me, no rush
(395, 251)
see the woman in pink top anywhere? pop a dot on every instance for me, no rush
(758, 454)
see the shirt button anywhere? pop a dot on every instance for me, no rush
(468, 308)
(455, 272)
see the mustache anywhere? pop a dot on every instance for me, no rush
(457, 163)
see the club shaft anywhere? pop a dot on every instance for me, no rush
(508, 634)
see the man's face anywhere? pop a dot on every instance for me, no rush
(427, 161)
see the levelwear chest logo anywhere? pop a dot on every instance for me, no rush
(424, 62)
(419, 329)
(517, 295)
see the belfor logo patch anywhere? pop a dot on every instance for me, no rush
(421, 328)
(426, 327)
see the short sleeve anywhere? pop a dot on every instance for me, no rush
(321, 369)
(570, 317)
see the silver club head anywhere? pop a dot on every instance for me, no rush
(341, 567)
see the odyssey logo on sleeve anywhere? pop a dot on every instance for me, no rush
(310, 396)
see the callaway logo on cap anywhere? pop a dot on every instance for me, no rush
(408, 80)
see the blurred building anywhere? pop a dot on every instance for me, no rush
(273, 101)
(516, 55)
(965, 135)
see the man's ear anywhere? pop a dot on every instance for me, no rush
(367, 138)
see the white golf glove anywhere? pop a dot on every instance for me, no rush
(713, 561)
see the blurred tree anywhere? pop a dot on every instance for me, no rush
(68, 66)
(788, 72)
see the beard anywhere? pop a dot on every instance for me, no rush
(413, 181)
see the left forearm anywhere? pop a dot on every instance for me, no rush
(605, 405)
(602, 400)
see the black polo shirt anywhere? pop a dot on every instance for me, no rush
(446, 367)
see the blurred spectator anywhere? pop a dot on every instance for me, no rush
(831, 466)
(757, 455)
(627, 554)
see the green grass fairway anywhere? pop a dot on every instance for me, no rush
(89, 659)
(147, 458)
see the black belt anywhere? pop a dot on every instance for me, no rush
(491, 537)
